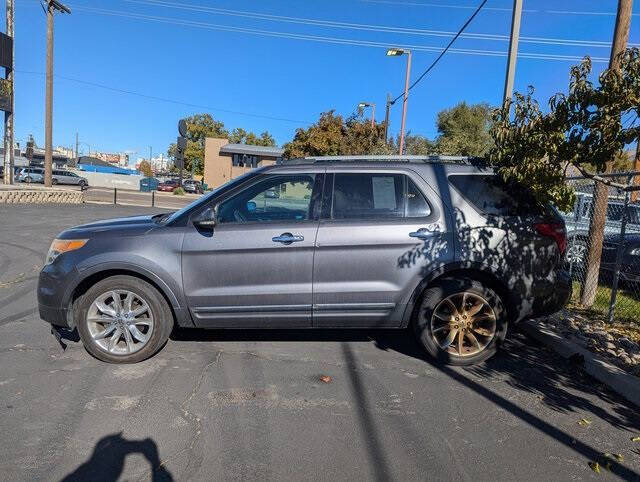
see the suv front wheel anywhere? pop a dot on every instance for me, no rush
(123, 319)
(460, 322)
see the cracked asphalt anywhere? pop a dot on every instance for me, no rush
(251, 405)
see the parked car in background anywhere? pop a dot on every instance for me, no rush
(192, 186)
(578, 221)
(67, 177)
(356, 243)
(31, 174)
(169, 185)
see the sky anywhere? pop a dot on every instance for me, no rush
(125, 71)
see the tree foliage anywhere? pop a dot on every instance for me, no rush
(333, 135)
(201, 126)
(587, 127)
(464, 130)
(145, 169)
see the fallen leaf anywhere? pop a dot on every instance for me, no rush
(325, 378)
(584, 422)
(635, 439)
(618, 457)
(595, 466)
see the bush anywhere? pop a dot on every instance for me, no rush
(178, 191)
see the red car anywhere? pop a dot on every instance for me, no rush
(168, 186)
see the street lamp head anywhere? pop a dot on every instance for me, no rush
(362, 105)
(394, 52)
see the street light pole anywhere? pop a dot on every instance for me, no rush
(404, 102)
(362, 105)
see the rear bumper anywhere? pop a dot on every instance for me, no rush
(553, 300)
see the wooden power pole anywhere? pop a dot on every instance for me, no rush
(513, 50)
(8, 115)
(601, 191)
(52, 6)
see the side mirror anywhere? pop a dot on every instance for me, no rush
(206, 219)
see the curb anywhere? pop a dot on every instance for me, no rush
(621, 382)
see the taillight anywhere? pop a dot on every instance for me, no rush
(555, 231)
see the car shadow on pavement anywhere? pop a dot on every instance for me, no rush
(522, 363)
(107, 460)
(558, 383)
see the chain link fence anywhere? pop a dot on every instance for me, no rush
(618, 293)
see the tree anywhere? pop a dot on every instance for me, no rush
(585, 128)
(145, 169)
(464, 130)
(201, 126)
(332, 135)
(417, 145)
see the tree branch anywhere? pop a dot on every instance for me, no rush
(604, 180)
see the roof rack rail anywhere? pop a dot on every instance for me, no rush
(381, 158)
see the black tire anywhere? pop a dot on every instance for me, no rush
(54, 181)
(82, 184)
(435, 294)
(27, 179)
(162, 316)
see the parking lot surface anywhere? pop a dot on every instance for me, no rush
(253, 405)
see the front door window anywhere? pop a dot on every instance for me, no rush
(277, 198)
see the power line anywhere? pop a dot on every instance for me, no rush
(325, 39)
(164, 99)
(433, 64)
(497, 9)
(365, 27)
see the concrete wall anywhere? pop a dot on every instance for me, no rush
(99, 179)
(40, 195)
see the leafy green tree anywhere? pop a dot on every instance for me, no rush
(145, 169)
(332, 135)
(201, 126)
(417, 145)
(464, 130)
(585, 128)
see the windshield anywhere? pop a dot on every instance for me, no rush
(205, 199)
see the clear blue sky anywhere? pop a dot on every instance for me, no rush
(185, 59)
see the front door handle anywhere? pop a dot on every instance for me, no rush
(422, 233)
(287, 238)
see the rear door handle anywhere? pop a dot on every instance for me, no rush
(287, 238)
(422, 233)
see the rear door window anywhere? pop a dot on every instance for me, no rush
(489, 195)
(365, 195)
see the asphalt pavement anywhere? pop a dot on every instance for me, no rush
(253, 405)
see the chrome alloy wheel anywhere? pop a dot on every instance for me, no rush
(576, 253)
(120, 322)
(463, 324)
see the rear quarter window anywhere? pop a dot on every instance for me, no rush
(491, 196)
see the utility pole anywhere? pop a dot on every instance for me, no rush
(150, 154)
(386, 119)
(513, 50)
(77, 158)
(601, 191)
(636, 178)
(52, 5)
(8, 116)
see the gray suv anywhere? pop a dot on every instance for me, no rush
(351, 242)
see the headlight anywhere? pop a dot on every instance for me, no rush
(60, 246)
(635, 252)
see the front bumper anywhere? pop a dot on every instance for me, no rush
(53, 304)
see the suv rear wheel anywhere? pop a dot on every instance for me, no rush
(123, 319)
(460, 322)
